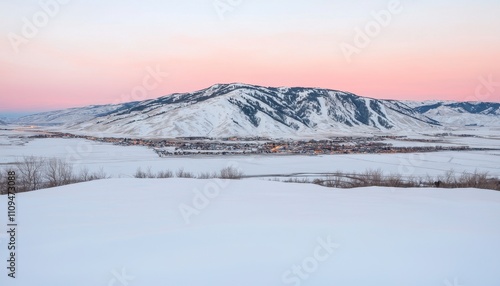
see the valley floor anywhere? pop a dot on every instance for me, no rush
(126, 231)
(123, 161)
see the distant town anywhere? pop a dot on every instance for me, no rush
(184, 146)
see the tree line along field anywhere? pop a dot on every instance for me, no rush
(34, 173)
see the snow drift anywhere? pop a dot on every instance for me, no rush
(211, 232)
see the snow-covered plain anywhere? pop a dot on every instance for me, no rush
(132, 232)
(127, 232)
(123, 161)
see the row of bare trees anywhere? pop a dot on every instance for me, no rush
(33, 173)
(451, 179)
(230, 172)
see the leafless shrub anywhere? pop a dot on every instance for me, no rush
(85, 175)
(58, 172)
(450, 178)
(30, 173)
(139, 173)
(298, 180)
(333, 181)
(318, 182)
(395, 180)
(183, 174)
(34, 173)
(165, 174)
(144, 174)
(373, 177)
(231, 173)
(207, 175)
(355, 180)
(3, 181)
(98, 175)
(476, 179)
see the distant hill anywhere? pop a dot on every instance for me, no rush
(460, 113)
(226, 110)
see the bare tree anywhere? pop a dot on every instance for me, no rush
(231, 173)
(3, 181)
(58, 172)
(183, 174)
(140, 174)
(98, 175)
(84, 175)
(30, 173)
(165, 174)
(207, 175)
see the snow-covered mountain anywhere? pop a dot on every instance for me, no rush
(72, 115)
(245, 110)
(460, 113)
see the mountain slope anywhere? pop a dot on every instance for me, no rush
(72, 115)
(246, 110)
(460, 113)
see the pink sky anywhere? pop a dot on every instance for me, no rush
(76, 60)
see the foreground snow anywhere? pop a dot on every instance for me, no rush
(132, 232)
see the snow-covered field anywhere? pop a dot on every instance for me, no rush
(123, 161)
(127, 232)
(132, 232)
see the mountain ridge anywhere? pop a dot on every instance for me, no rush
(237, 109)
